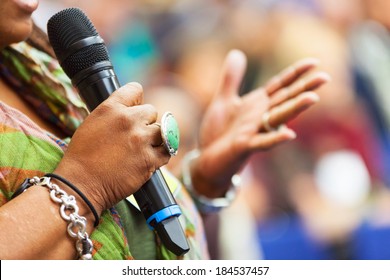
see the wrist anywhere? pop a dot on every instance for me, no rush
(69, 210)
(84, 185)
(77, 193)
(212, 169)
(208, 196)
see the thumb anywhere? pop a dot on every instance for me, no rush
(232, 73)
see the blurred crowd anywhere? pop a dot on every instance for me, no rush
(325, 195)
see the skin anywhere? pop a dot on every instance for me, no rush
(240, 132)
(131, 125)
(16, 25)
(28, 231)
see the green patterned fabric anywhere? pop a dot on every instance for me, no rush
(26, 150)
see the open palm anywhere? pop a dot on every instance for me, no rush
(233, 127)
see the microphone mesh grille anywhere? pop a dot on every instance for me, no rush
(67, 27)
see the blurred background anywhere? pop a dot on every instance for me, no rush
(325, 195)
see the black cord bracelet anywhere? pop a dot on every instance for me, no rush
(23, 187)
(73, 187)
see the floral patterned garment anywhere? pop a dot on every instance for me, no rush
(26, 150)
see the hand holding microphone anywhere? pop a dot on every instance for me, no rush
(102, 147)
(84, 58)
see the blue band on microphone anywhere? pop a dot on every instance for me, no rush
(163, 214)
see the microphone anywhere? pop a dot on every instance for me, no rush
(83, 56)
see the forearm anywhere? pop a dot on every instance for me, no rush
(32, 227)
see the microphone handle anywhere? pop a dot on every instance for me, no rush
(154, 198)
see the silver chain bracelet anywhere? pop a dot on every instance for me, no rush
(68, 204)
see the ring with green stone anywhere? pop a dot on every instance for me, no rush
(170, 133)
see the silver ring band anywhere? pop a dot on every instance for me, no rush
(265, 122)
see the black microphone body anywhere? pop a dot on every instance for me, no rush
(95, 81)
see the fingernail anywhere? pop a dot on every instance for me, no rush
(309, 98)
(311, 60)
(289, 132)
(292, 135)
(325, 76)
(135, 84)
(315, 98)
(236, 57)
